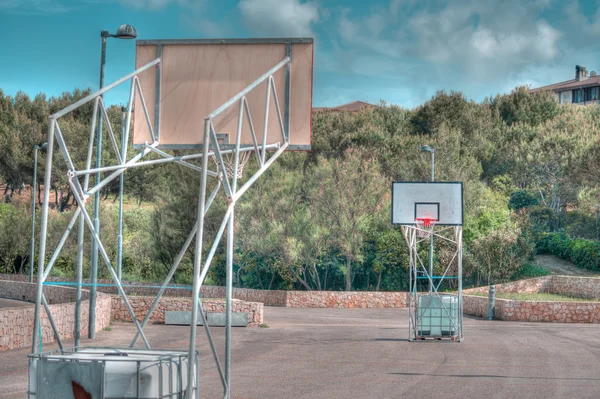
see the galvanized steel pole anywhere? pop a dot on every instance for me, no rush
(121, 185)
(431, 236)
(228, 296)
(198, 263)
(94, 265)
(33, 188)
(43, 230)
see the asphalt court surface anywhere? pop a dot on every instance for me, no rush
(364, 353)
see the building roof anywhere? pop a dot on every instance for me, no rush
(350, 107)
(570, 84)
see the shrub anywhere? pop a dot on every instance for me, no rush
(522, 199)
(529, 270)
(15, 228)
(580, 224)
(544, 243)
(500, 254)
(542, 219)
(583, 253)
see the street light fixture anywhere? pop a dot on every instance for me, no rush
(123, 32)
(33, 190)
(427, 148)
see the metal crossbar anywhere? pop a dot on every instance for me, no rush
(229, 184)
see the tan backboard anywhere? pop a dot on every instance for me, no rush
(196, 77)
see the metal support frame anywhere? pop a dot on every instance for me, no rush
(232, 187)
(419, 271)
(36, 148)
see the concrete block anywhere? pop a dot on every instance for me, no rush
(238, 319)
(180, 317)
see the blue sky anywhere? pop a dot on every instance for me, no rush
(400, 51)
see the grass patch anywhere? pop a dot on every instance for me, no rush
(529, 270)
(540, 296)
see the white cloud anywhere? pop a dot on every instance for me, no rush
(470, 46)
(290, 18)
(160, 4)
(28, 7)
(375, 23)
(206, 27)
(540, 44)
(587, 26)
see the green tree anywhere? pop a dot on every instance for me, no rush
(346, 193)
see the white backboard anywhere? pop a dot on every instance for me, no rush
(442, 201)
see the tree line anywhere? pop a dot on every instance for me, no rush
(320, 220)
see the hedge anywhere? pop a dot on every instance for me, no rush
(583, 253)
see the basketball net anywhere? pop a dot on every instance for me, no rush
(229, 161)
(425, 226)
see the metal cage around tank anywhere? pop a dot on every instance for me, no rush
(111, 373)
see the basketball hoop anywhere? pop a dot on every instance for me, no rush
(229, 161)
(425, 226)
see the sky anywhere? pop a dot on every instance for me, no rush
(398, 51)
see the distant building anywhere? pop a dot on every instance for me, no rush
(354, 106)
(583, 89)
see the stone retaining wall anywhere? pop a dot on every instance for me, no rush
(529, 286)
(344, 299)
(475, 305)
(267, 297)
(584, 287)
(555, 312)
(311, 299)
(141, 305)
(24, 291)
(16, 324)
(580, 287)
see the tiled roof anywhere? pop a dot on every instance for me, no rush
(570, 84)
(350, 107)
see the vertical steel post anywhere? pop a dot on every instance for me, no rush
(79, 276)
(121, 186)
(228, 295)
(32, 241)
(43, 229)
(406, 232)
(94, 266)
(432, 166)
(157, 94)
(198, 259)
(81, 232)
(460, 293)
(287, 93)
(431, 237)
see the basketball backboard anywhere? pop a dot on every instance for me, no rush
(439, 201)
(197, 76)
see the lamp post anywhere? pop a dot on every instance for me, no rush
(124, 32)
(33, 189)
(427, 148)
